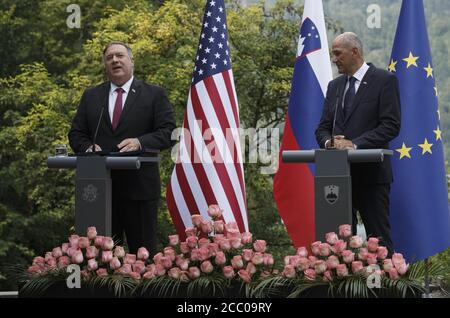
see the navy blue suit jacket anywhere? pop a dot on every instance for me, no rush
(373, 121)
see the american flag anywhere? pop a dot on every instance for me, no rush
(209, 166)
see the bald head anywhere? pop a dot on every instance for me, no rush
(347, 50)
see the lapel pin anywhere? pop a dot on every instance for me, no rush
(133, 90)
(365, 83)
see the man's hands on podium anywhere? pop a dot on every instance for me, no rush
(341, 143)
(129, 144)
(97, 148)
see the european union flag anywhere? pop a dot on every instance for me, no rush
(419, 198)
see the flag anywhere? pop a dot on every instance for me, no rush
(294, 183)
(419, 197)
(209, 167)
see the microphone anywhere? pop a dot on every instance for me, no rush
(96, 129)
(334, 121)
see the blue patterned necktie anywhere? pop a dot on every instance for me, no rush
(349, 96)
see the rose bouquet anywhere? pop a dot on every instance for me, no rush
(213, 260)
(344, 266)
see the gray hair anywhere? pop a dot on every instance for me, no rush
(130, 52)
(351, 40)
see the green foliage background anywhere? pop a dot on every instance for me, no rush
(45, 66)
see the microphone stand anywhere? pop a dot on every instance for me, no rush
(332, 146)
(96, 131)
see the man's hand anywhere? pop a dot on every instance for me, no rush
(97, 148)
(337, 137)
(342, 144)
(129, 144)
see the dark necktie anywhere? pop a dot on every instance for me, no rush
(349, 96)
(117, 107)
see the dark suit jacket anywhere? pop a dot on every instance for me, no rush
(374, 120)
(147, 115)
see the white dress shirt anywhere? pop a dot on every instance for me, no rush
(113, 96)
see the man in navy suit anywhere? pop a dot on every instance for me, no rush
(367, 117)
(136, 116)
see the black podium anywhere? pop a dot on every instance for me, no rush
(332, 182)
(93, 185)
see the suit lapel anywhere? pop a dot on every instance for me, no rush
(135, 89)
(362, 90)
(104, 102)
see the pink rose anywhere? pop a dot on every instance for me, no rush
(115, 263)
(207, 267)
(184, 247)
(183, 264)
(107, 256)
(91, 232)
(372, 244)
(77, 257)
(257, 258)
(139, 267)
(363, 253)
(302, 252)
(245, 276)
(303, 263)
(289, 271)
(92, 265)
(339, 246)
(315, 247)
(142, 253)
(237, 262)
(235, 242)
(39, 260)
(228, 272)
(327, 276)
(160, 270)
(393, 274)
(57, 252)
(73, 239)
(331, 238)
(231, 225)
(98, 241)
(247, 238)
(310, 274)
(119, 252)
(51, 262)
(125, 269)
(382, 252)
(204, 253)
(214, 211)
(194, 272)
(195, 254)
(348, 256)
(356, 241)
(371, 258)
(135, 276)
(203, 242)
(345, 230)
(402, 269)
(91, 252)
(166, 262)
(320, 267)
(34, 270)
(220, 259)
(219, 226)
(357, 266)
(259, 246)
(397, 260)
(83, 242)
(191, 241)
(206, 226)
(151, 268)
(225, 244)
(129, 258)
(233, 233)
(65, 247)
(213, 248)
(196, 220)
(148, 275)
(324, 249)
(251, 268)
(71, 250)
(102, 272)
(108, 243)
(48, 255)
(63, 261)
(341, 270)
(190, 231)
(174, 240)
(332, 262)
(268, 259)
(387, 265)
(312, 261)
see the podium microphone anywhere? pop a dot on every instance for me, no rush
(334, 121)
(96, 129)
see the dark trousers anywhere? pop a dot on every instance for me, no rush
(372, 202)
(138, 220)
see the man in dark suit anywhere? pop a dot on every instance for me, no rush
(367, 117)
(136, 116)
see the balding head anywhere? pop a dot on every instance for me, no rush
(347, 50)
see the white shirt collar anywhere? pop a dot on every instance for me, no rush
(125, 87)
(359, 74)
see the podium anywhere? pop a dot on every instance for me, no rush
(93, 185)
(332, 182)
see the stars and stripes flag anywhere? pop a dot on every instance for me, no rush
(209, 166)
(294, 183)
(420, 216)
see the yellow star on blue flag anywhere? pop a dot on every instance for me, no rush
(420, 221)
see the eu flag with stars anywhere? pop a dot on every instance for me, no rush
(419, 197)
